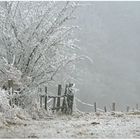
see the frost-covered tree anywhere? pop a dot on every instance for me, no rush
(37, 45)
(35, 41)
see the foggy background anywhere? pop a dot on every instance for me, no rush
(110, 34)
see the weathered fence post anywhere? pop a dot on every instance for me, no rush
(66, 89)
(10, 88)
(46, 97)
(95, 107)
(105, 109)
(40, 101)
(113, 106)
(127, 108)
(70, 99)
(58, 98)
(64, 106)
(54, 102)
(40, 90)
(137, 106)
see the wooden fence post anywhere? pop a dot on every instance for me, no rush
(95, 107)
(64, 106)
(70, 99)
(137, 106)
(58, 98)
(66, 89)
(46, 98)
(105, 109)
(113, 106)
(10, 88)
(54, 102)
(40, 101)
(127, 109)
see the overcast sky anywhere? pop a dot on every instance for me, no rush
(110, 35)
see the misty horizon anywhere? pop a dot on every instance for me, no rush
(109, 35)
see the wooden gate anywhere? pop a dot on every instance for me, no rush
(63, 103)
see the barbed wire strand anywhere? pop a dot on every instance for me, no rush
(88, 104)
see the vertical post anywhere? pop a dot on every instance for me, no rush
(39, 94)
(113, 106)
(137, 106)
(127, 109)
(64, 107)
(105, 109)
(46, 98)
(40, 101)
(54, 101)
(58, 99)
(95, 107)
(66, 89)
(72, 100)
(10, 88)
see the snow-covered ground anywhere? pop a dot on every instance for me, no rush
(83, 125)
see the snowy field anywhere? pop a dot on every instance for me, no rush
(83, 125)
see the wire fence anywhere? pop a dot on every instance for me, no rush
(87, 104)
